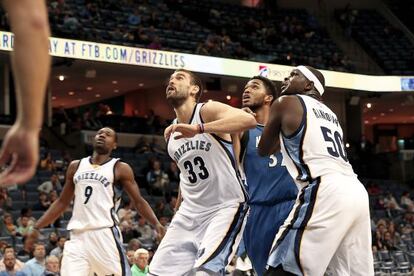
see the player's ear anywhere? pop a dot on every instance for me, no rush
(194, 90)
(309, 86)
(268, 99)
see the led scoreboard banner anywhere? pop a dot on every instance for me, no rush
(118, 54)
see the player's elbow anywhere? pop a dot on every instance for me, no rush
(262, 151)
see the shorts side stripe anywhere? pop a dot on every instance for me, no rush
(124, 262)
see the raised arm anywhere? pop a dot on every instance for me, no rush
(285, 115)
(125, 177)
(60, 205)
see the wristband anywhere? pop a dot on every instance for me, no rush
(200, 128)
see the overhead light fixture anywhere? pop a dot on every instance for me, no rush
(347, 145)
(382, 114)
(369, 105)
(71, 93)
(374, 118)
(116, 91)
(391, 110)
(61, 77)
(210, 100)
(98, 95)
(89, 88)
(141, 84)
(114, 82)
(228, 97)
(80, 100)
(53, 98)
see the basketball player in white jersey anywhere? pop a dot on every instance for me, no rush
(31, 66)
(206, 229)
(97, 181)
(328, 230)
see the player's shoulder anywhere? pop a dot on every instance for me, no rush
(122, 166)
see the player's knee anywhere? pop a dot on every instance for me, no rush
(34, 14)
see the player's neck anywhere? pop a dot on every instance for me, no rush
(185, 112)
(98, 159)
(262, 114)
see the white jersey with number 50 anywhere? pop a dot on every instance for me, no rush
(96, 196)
(208, 179)
(317, 147)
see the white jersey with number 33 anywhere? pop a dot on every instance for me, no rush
(208, 179)
(96, 196)
(317, 147)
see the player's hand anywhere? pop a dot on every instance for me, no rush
(160, 231)
(248, 110)
(186, 130)
(20, 150)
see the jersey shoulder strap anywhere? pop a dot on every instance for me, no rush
(243, 145)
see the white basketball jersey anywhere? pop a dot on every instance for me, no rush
(317, 147)
(208, 179)
(96, 196)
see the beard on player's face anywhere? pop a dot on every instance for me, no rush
(254, 103)
(101, 149)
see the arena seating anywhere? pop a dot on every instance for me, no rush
(387, 45)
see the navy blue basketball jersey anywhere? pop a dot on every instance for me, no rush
(268, 181)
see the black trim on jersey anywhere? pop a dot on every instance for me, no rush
(301, 230)
(121, 254)
(294, 163)
(305, 126)
(199, 113)
(221, 139)
(233, 164)
(224, 241)
(304, 116)
(113, 211)
(192, 115)
(90, 161)
(244, 141)
(238, 231)
(77, 167)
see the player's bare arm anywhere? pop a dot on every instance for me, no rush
(125, 177)
(220, 119)
(285, 115)
(60, 205)
(31, 66)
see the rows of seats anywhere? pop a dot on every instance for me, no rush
(389, 46)
(404, 10)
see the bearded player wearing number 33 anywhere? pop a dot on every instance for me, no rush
(97, 182)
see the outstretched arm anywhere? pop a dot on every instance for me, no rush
(125, 177)
(60, 205)
(219, 118)
(31, 68)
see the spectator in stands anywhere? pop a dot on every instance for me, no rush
(7, 227)
(142, 146)
(52, 266)
(50, 185)
(126, 211)
(127, 231)
(391, 203)
(134, 19)
(18, 265)
(25, 227)
(156, 147)
(52, 243)
(6, 202)
(155, 44)
(90, 121)
(172, 203)
(130, 257)
(28, 246)
(407, 202)
(26, 212)
(157, 179)
(70, 22)
(134, 244)
(58, 250)
(161, 210)
(145, 230)
(140, 267)
(9, 261)
(36, 265)
(43, 203)
(174, 176)
(47, 163)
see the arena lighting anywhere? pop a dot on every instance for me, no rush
(347, 145)
(97, 95)
(89, 88)
(116, 91)
(53, 98)
(228, 97)
(61, 77)
(141, 84)
(114, 82)
(391, 110)
(71, 93)
(369, 105)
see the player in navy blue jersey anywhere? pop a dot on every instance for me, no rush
(272, 191)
